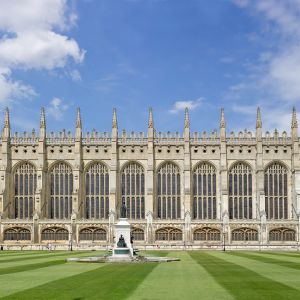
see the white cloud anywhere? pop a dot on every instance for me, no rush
(32, 39)
(57, 108)
(190, 104)
(272, 118)
(75, 75)
(277, 72)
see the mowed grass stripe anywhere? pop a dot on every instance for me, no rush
(31, 267)
(282, 254)
(112, 281)
(241, 282)
(183, 279)
(6, 257)
(34, 256)
(267, 260)
(41, 258)
(20, 281)
(286, 276)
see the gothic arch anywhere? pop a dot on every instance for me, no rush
(282, 234)
(60, 190)
(168, 191)
(207, 234)
(204, 191)
(276, 188)
(132, 189)
(24, 177)
(17, 234)
(96, 161)
(138, 234)
(96, 190)
(168, 234)
(240, 190)
(92, 234)
(244, 234)
(55, 234)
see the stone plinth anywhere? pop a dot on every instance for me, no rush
(123, 228)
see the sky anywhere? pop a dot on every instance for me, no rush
(136, 54)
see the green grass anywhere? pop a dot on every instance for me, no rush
(199, 275)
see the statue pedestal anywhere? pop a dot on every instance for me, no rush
(122, 228)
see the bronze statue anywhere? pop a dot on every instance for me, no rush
(123, 210)
(121, 243)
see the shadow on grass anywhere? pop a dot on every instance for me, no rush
(112, 281)
(241, 282)
(268, 260)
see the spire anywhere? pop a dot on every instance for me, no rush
(42, 118)
(294, 125)
(222, 120)
(222, 126)
(258, 118)
(114, 119)
(150, 119)
(78, 119)
(186, 118)
(6, 128)
(78, 133)
(114, 125)
(294, 118)
(42, 123)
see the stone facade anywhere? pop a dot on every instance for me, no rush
(163, 212)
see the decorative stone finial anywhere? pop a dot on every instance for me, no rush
(186, 118)
(150, 119)
(258, 118)
(6, 128)
(114, 119)
(294, 118)
(78, 119)
(222, 119)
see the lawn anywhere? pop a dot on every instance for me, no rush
(199, 275)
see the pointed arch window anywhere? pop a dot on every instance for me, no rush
(282, 235)
(25, 185)
(240, 191)
(61, 188)
(276, 191)
(168, 191)
(133, 190)
(97, 192)
(204, 192)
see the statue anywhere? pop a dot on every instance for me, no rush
(123, 210)
(121, 243)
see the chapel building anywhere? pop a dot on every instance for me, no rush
(190, 190)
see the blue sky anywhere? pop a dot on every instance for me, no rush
(136, 54)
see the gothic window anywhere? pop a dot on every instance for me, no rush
(61, 185)
(138, 234)
(276, 192)
(97, 192)
(204, 192)
(168, 191)
(133, 190)
(55, 234)
(207, 234)
(92, 234)
(244, 235)
(282, 235)
(25, 185)
(17, 234)
(168, 234)
(240, 191)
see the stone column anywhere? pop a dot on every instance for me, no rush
(6, 203)
(186, 215)
(113, 177)
(149, 180)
